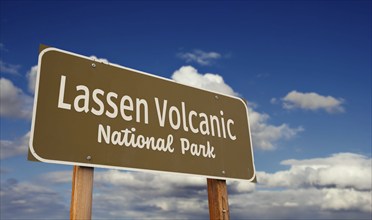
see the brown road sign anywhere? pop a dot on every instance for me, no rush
(91, 113)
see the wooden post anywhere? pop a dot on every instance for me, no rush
(82, 191)
(217, 200)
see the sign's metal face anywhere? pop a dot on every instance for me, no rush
(91, 113)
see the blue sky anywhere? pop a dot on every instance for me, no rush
(303, 66)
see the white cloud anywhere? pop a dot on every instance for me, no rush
(9, 68)
(103, 60)
(312, 101)
(58, 177)
(143, 195)
(14, 103)
(188, 75)
(238, 187)
(14, 148)
(140, 179)
(264, 135)
(342, 170)
(29, 200)
(163, 183)
(146, 195)
(346, 199)
(310, 203)
(313, 188)
(200, 57)
(31, 76)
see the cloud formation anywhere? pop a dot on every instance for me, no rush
(143, 195)
(31, 77)
(340, 182)
(312, 188)
(341, 170)
(14, 103)
(200, 57)
(188, 75)
(264, 135)
(312, 101)
(14, 148)
(28, 200)
(310, 203)
(9, 68)
(103, 60)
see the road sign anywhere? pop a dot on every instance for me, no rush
(91, 113)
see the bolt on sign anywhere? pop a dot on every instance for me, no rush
(92, 113)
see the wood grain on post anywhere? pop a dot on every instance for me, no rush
(217, 199)
(82, 191)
